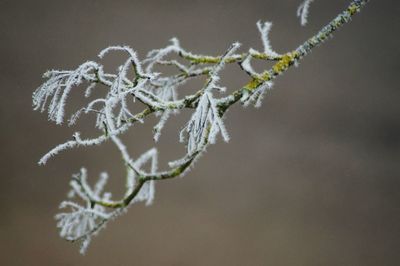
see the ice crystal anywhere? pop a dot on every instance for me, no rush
(303, 10)
(84, 221)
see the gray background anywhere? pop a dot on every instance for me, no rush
(310, 178)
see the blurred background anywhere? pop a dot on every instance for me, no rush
(310, 178)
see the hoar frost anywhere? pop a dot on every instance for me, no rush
(89, 208)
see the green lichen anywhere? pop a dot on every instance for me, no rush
(286, 61)
(253, 84)
(353, 9)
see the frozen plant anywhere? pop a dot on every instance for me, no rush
(135, 81)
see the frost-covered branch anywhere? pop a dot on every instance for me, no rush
(135, 82)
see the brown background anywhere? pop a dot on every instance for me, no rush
(310, 178)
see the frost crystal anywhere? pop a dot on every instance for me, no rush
(58, 87)
(82, 222)
(302, 11)
(257, 95)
